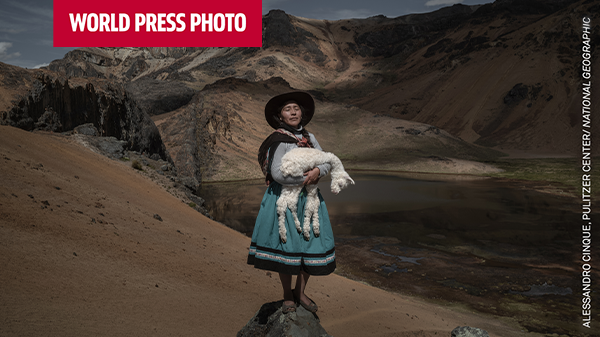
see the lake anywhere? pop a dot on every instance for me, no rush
(492, 245)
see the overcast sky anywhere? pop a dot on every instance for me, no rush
(26, 25)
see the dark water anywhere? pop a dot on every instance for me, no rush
(496, 246)
(396, 205)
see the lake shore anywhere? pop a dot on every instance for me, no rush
(498, 246)
(92, 247)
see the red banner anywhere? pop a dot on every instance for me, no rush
(151, 23)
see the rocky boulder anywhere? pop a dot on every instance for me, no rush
(269, 321)
(87, 129)
(467, 331)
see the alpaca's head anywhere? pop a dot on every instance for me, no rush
(340, 182)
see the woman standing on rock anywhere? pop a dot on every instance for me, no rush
(288, 114)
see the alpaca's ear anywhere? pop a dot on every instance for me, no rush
(350, 180)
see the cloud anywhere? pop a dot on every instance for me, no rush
(40, 65)
(339, 14)
(18, 17)
(4, 55)
(4, 47)
(9, 25)
(442, 2)
(36, 10)
(350, 14)
(12, 30)
(46, 43)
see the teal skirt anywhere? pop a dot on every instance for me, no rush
(315, 256)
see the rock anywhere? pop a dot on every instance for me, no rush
(433, 129)
(107, 146)
(195, 199)
(156, 97)
(87, 129)
(157, 217)
(62, 104)
(269, 321)
(516, 94)
(467, 331)
(279, 31)
(268, 61)
(111, 146)
(49, 121)
(191, 183)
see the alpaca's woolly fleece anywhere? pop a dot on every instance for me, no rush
(285, 201)
(296, 162)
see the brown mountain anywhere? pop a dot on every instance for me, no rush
(216, 135)
(435, 91)
(508, 77)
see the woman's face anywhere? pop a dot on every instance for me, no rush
(291, 115)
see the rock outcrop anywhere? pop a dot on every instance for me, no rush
(49, 101)
(156, 97)
(116, 63)
(467, 331)
(269, 321)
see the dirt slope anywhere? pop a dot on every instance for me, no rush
(83, 254)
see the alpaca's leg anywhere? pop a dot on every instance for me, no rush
(282, 230)
(282, 205)
(314, 205)
(309, 209)
(293, 206)
(316, 228)
(307, 217)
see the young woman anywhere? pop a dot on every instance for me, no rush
(288, 114)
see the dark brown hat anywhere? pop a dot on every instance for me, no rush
(301, 98)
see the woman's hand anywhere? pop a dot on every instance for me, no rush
(312, 176)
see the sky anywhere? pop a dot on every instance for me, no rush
(26, 25)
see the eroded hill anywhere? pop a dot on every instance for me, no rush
(416, 92)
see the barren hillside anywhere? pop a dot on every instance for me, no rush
(436, 91)
(90, 246)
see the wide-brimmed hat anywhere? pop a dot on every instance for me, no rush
(302, 98)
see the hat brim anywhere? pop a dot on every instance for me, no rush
(302, 98)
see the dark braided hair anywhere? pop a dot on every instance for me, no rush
(307, 137)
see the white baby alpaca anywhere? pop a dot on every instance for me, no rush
(295, 163)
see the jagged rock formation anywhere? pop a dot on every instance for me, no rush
(269, 321)
(47, 101)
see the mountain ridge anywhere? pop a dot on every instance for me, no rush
(497, 77)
